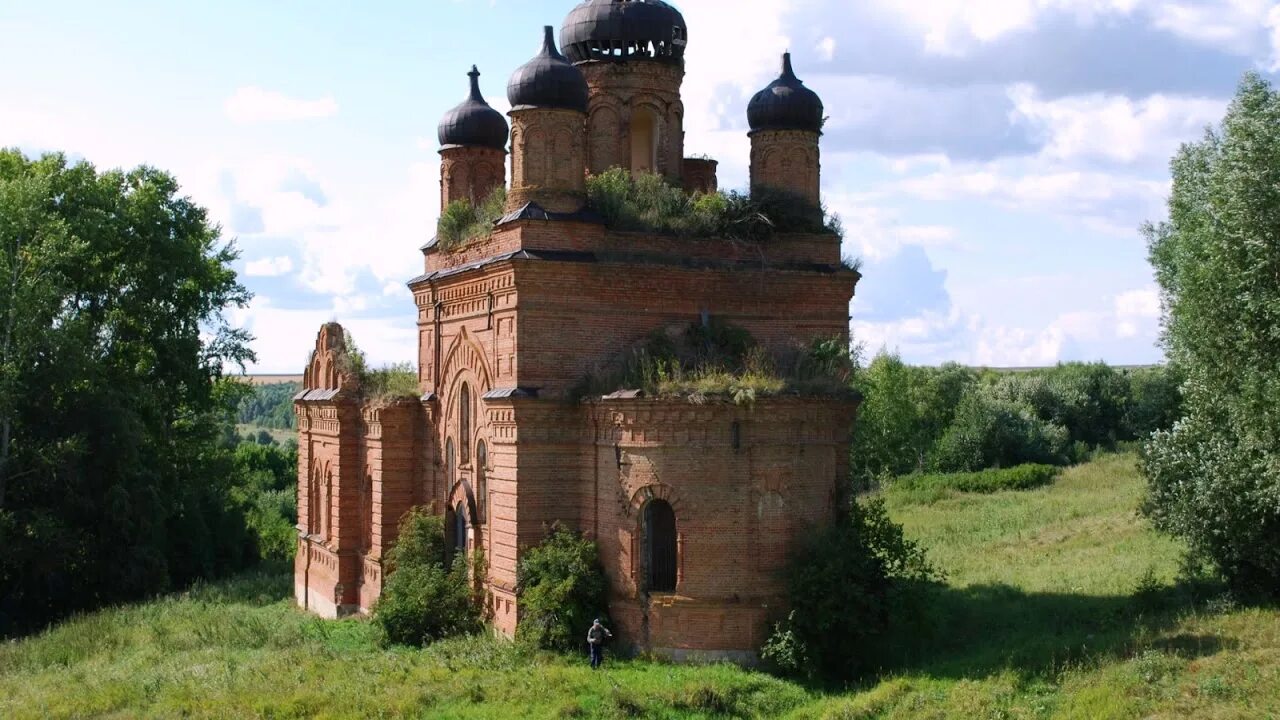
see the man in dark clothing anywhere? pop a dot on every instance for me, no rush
(595, 640)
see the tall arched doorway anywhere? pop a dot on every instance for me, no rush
(661, 553)
(644, 141)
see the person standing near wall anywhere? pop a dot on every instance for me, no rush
(596, 638)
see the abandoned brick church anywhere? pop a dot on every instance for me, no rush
(694, 505)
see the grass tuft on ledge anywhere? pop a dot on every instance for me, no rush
(647, 203)
(462, 223)
(380, 387)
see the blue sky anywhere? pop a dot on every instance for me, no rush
(992, 161)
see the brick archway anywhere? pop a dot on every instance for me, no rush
(653, 491)
(642, 549)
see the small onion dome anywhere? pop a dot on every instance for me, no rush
(548, 81)
(786, 104)
(474, 123)
(624, 30)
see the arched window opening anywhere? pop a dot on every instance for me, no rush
(459, 530)
(464, 424)
(644, 141)
(450, 469)
(326, 511)
(660, 546)
(313, 504)
(482, 481)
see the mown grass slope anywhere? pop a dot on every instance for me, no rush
(1060, 603)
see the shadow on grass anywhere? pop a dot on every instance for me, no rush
(267, 584)
(978, 631)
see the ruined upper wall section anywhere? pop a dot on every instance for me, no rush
(790, 250)
(329, 368)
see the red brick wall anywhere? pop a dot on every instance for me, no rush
(578, 317)
(789, 249)
(739, 511)
(700, 175)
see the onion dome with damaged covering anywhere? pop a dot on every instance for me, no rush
(474, 123)
(624, 30)
(548, 81)
(786, 104)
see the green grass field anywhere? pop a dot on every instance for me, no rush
(1059, 603)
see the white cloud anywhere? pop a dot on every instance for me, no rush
(827, 48)
(874, 232)
(1113, 127)
(1111, 203)
(376, 233)
(750, 33)
(1136, 311)
(1249, 28)
(283, 337)
(1273, 38)
(269, 267)
(1236, 26)
(253, 105)
(952, 27)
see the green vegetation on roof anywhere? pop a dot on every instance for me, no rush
(716, 359)
(647, 203)
(462, 223)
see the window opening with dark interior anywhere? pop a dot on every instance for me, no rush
(660, 546)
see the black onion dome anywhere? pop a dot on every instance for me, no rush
(474, 123)
(548, 81)
(624, 30)
(786, 104)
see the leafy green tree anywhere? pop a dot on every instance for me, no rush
(991, 432)
(936, 394)
(265, 486)
(562, 589)
(888, 435)
(1155, 402)
(1214, 478)
(269, 406)
(114, 477)
(848, 585)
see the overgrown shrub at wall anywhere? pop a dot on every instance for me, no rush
(562, 589)
(462, 222)
(934, 486)
(424, 598)
(647, 203)
(848, 585)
